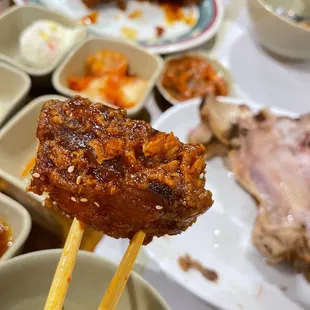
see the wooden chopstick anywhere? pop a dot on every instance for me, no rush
(62, 277)
(119, 280)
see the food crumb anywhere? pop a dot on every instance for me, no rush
(90, 19)
(129, 33)
(187, 263)
(135, 14)
(159, 31)
(259, 292)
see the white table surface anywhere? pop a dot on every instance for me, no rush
(259, 77)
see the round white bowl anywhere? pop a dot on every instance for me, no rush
(278, 34)
(25, 282)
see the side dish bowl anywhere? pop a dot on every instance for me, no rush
(26, 281)
(141, 63)
(279, 34)
(18, 146)
(14, 20)
(14, 87)
(19, 221)
(219, 68)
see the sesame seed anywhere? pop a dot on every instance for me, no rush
(78, 180)
(43, 203)
(83, 200)
(36, 175)
(73, 199)
(158, 207)
(71, 169)
(201, 175)
(54, 203)
(96, 204)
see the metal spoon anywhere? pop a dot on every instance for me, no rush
(293, 16)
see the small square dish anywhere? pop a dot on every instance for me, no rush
(15, 225)
(18, 146)
(14, 87)
(22, 36)
(136, 66)
(223, 76)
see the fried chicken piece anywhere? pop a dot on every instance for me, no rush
(115, 174)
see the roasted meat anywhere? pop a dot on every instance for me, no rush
(115, 174)
(270, 157)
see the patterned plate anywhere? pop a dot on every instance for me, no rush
(148, 24)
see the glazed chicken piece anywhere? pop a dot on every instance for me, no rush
(118, 175)
(270, 157)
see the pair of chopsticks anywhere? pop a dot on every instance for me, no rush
(62, 277)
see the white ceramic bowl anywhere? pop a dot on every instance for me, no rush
(25, 282)
(14, 20)
(14, 87)
(220, 69)
(19, 221)
(141, 63)
(277, 33)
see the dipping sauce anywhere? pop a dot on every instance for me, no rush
(192, 76)
(6, 238)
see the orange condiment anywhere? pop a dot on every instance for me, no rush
(192, 76)
(135, 14)
(175, 13)
(106, 62)
(90, 19)
(78, 84)
(106, 78)
(129, 33)
(6, 238)
(28, 167)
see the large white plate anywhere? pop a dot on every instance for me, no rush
(221, 240)
(177, 36)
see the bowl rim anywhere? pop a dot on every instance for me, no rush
(66, 91)
(25, 230)
(87, 255)
(230, 79)
(33, 71)
(269, 8)
(19, 96)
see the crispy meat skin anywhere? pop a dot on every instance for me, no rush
(131, 177)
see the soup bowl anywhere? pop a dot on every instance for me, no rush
(25, 282)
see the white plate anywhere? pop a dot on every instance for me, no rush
(177, 36)
(221, 240)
